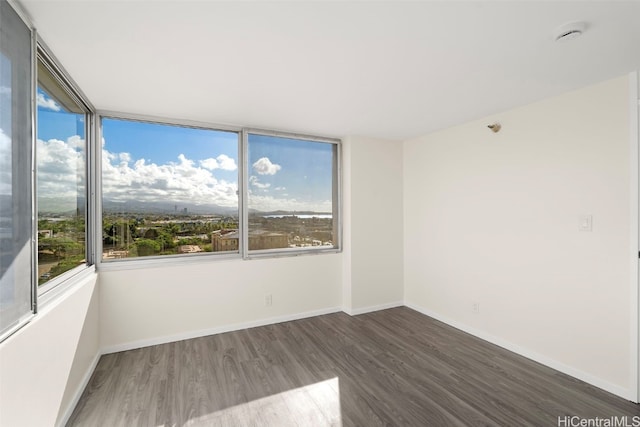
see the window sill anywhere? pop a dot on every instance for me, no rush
(58, 290)
(293, 252)
(165, 261)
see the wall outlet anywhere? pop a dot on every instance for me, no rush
(586, 223)
(268, 300)
(476, 307)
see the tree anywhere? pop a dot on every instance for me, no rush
(147, 247)
(59, 247)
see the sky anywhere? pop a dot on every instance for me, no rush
(289, 173)
(5, 125)
(60, 156)
(149, 162)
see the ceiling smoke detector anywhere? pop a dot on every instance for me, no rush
(569, 31)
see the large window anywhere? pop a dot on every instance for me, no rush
(168, 190)
(172, 190)
(61, 153)
(292, 193)
(16, 252)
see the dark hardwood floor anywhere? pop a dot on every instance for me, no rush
(394, 367)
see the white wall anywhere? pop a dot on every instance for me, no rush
(487, 218)
(129, 308)
(37, 362)
(85, 359)
(373, 221)
(164, 303)
(493, 219)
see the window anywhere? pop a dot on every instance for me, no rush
(16, 251)
(172, 190)
(168, 190)
(61, 174)
(292, 193)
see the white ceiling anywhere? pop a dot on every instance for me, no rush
(388, 69)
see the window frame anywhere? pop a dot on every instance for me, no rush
(53, 287)
(336, 197)
(22, 318)
(49, 291)
(150, 261)
(243, 211)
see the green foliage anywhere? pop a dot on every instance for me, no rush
(191, 241)
(63, 265)
(66, 265)
(146, 247)
(158, 234)
(117, 232)
(60, 247)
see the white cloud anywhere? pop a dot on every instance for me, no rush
(223, 162)
(280, 188)
(47, 103)
(267, 203)
(180, 181)
(5, 163)
(4, 90)
(61, 171)
(254, 181)
(61, 164)
(76, 142)
(263, 166)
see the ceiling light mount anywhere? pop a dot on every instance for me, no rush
(569, 31)
(495, 127)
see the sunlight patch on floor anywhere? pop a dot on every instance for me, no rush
(313, 405)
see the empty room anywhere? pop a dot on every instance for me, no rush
(319, 213)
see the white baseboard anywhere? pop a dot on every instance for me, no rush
(217, 330)
(363, 310)
(544, 360)
(79, 390)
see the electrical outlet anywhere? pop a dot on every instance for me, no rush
(476, 307)
(586, 223)
(268, 300)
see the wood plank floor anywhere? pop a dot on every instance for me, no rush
(395, 367)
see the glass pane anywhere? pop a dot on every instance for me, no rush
(61, 179)
(167, 190)
(15, 170)
(291, 193)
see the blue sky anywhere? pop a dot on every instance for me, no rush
(154, 162)
(54, 122)
(162, 144)
(304, 173)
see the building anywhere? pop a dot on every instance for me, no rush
(440, 213)
(228, 240)
(261, 239)
(189, 249)
(225, 241)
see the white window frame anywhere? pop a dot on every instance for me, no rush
(243, 170)
(57, 285)
(150, 261)
(336, 202)
(22, 318)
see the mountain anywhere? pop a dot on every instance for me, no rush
(61, 206)
(166, 207)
